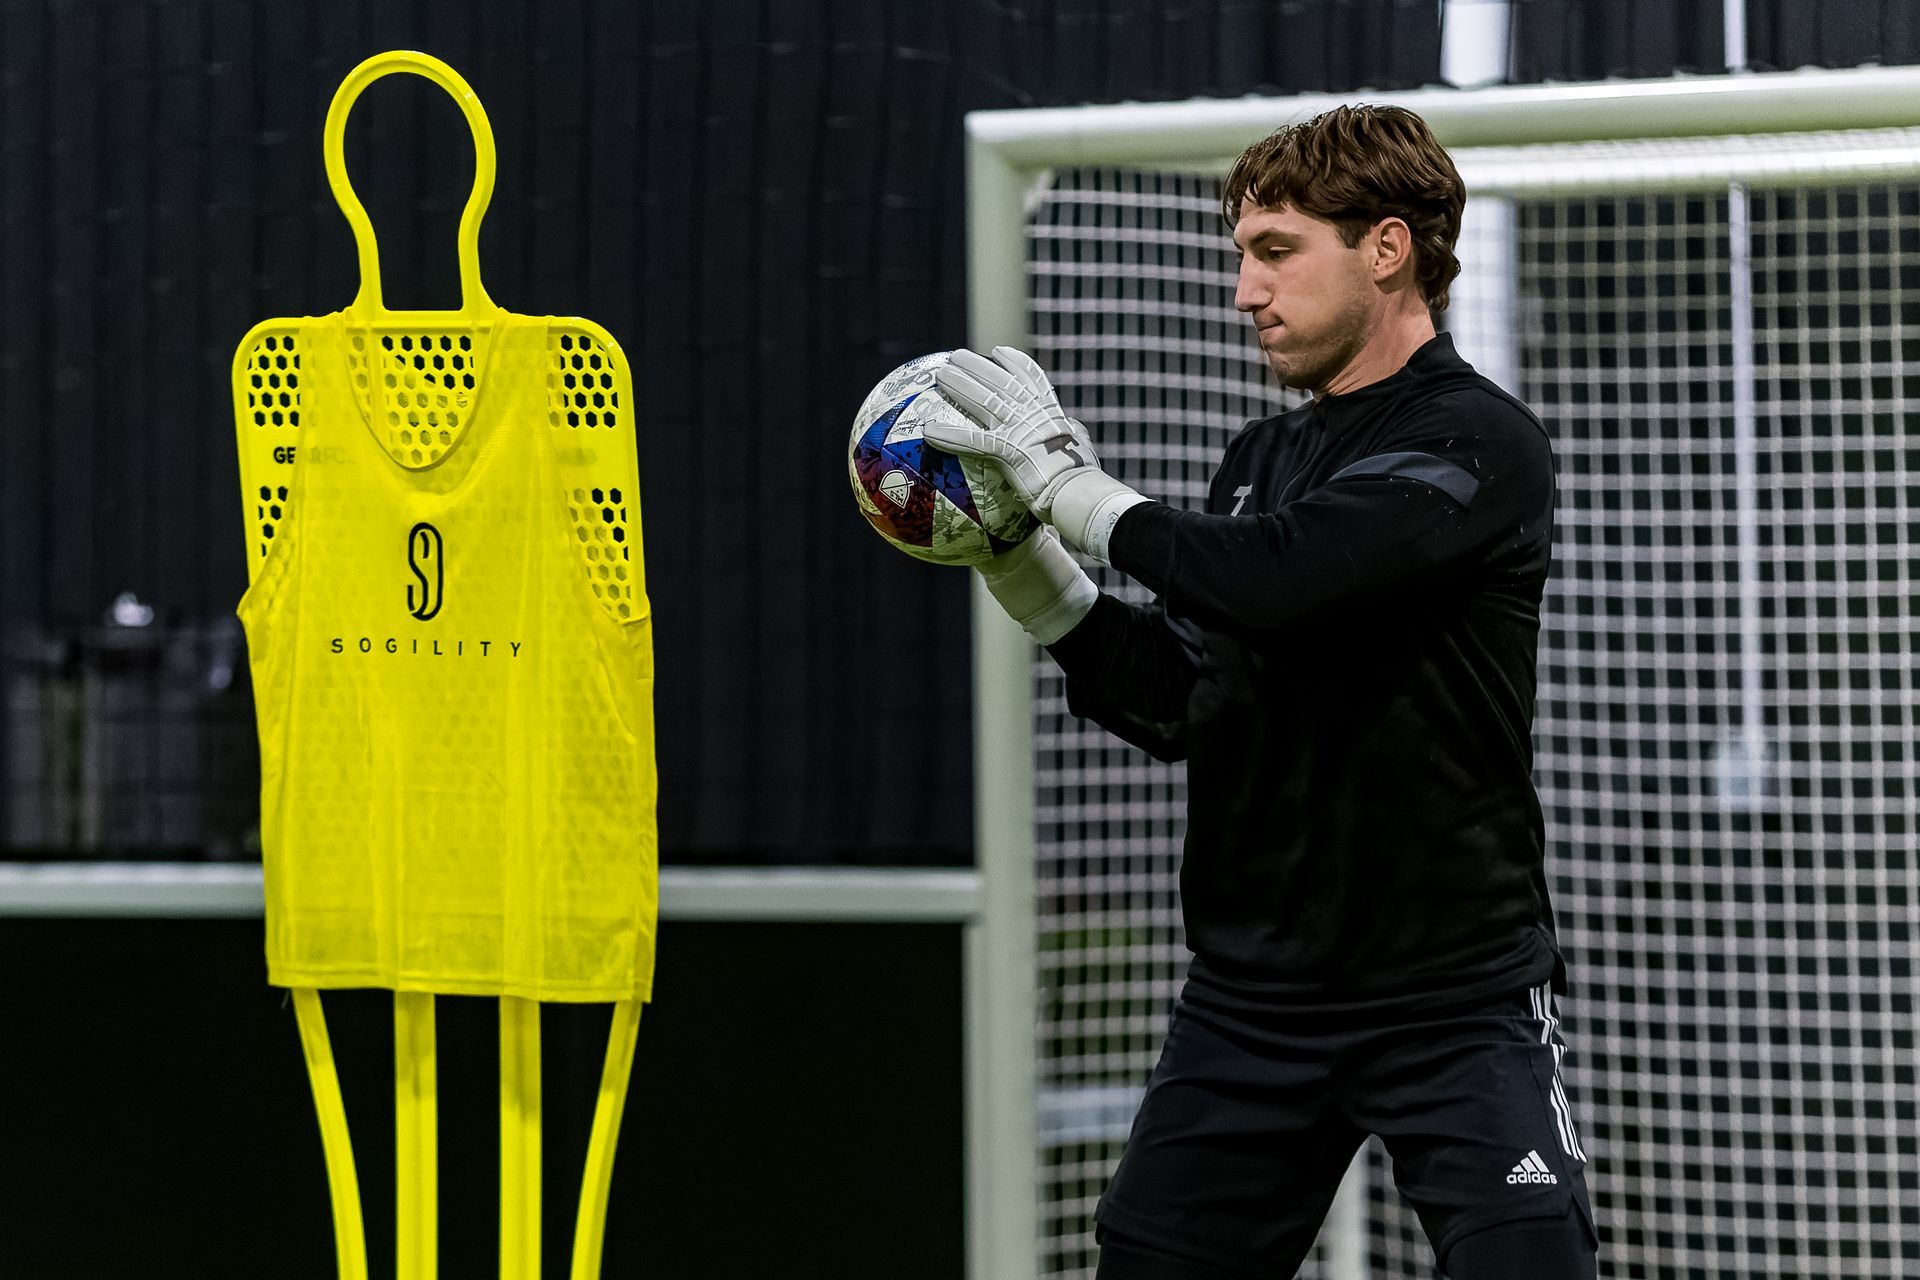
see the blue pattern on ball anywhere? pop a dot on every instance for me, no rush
(934, 466)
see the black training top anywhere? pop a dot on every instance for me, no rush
(1343, 652)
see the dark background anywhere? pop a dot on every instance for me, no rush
(798, 1119)
(762, 201)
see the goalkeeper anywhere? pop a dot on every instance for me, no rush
(1343, 652)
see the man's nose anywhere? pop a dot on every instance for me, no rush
(1249, 294)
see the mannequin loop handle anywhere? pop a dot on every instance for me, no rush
(474, 302)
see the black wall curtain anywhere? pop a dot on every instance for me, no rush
(1595, 39)
(1784, 34)
(762, 201)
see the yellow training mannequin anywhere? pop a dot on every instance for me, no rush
(452, 653)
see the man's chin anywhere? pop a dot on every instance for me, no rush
(1290, 372)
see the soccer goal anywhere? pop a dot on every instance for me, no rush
(1709, 290)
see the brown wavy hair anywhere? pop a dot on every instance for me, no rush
(1354, 167)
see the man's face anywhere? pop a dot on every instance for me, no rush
(1313, 300)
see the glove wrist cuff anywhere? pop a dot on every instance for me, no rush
(1041, 586)
(1086, 509)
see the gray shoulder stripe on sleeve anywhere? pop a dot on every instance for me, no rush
(1449, 478)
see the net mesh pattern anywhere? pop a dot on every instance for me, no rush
(1725, 729)
(1132, 296)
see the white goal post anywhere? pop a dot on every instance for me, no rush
(1592, 207)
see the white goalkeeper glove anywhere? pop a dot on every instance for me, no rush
(1047, 456)
(1041, 586)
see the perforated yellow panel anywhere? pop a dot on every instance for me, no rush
(421, 380)
(582, 392)
(600, 518)
(416, 384)
(270, 511)
(584, 383)
(274, 366)
(273, 407)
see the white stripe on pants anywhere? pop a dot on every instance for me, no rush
(1562, 1110)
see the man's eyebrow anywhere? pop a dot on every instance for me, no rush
(1270, 234)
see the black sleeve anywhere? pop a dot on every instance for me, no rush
(1382, 527)
(1130, 670)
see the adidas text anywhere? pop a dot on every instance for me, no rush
(1532, 1170)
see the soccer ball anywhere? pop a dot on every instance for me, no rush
(941, 507)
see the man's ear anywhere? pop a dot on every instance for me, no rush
(1393, 248)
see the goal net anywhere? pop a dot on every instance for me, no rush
(1722, 335)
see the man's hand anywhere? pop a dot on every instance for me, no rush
(1022, 426)
(1044, 453)
(1041, 586)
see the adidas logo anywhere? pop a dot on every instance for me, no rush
(1532, 1169)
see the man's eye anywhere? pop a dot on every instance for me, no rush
(1277, 252)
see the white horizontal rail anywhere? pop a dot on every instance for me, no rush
(1642, 167)
(121, 889)
(1208, 133)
